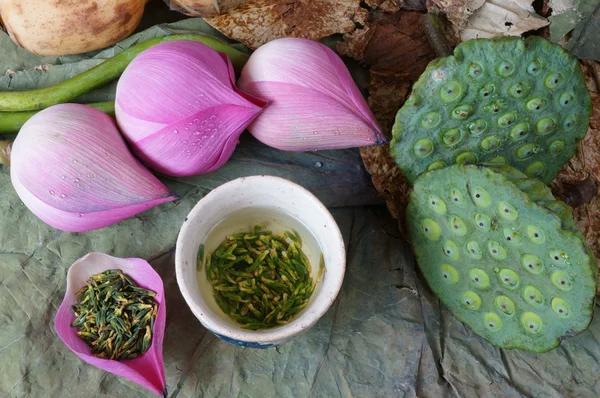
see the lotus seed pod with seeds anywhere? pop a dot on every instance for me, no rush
(507, 100)
(503, 255)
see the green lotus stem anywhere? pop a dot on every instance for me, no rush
(11, 122)
(5, 148)
(16, 101)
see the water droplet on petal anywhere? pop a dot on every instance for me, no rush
(80, 214)
(62, 195)
(74, 161)
(51, 192)
(76, 180)
(63, 177)
(318, 165)
(175, 131)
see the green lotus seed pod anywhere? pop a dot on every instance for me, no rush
(471, 300)
(518, 270)
(518, 99)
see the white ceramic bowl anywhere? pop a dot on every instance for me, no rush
(277, 204)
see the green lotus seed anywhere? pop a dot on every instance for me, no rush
(561, 281)
(451, 250)
(513, 237)
(531, 322)
(535, 234)
(507, 119)
(449, 274)
(462, 112)
(569, 122)
(498, 160)
(558, 257)
(457, 226)
(536, 104)
(478, 127)
(556, 147)
(545, 126)
(423, 148)
(483, 222)
(436, 165)
(487, 90)
(559, 306)
(466, 158)
(471, 300)
(553, 80)
(520, 131)
(506, 68)
(490, 144)
(532, 295)
(450, 91)
(532, 264)
(474, 251)
(431, 229)
(535, 169)
(492, 322)
(505, 305)
(457, 198)
(437, 204)
(452, 137)
(566, 99)
(518, 90)
(533, 68)
(527, 150)
(495, 107)
(479, 278)
(431, 120)
(497, 252)
(480, 197)
(475, 70)
(507, 211)
(508, 278)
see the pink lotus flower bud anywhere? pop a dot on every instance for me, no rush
(180, 110)
(147, 370)
(72, 169)
(313, 101)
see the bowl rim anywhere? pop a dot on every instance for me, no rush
(263, 335)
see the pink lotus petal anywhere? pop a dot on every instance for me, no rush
(313, 68)
(71, 168)
(293, 123)
(146, 370)
(174, 87)
(212, 132)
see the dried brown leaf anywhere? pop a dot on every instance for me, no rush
(260, 21)
(397, 5)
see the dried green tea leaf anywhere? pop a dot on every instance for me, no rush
(503, 255)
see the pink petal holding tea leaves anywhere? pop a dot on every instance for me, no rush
(308, 64)
(71, 168)
(302, 119)
(147, 369)
(212, 133)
